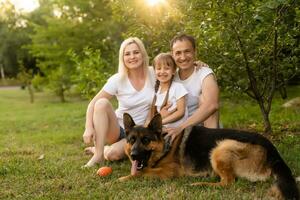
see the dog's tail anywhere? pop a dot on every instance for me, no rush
(285, 182)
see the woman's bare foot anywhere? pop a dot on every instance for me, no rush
(94, 160)
(89, 150)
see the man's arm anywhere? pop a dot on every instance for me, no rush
(208, 105)
(208, 102)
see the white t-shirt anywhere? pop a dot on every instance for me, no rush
(176, 91)
(193, 85)
(136, 103)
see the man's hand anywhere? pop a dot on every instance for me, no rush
(88, 136)
(174, 132)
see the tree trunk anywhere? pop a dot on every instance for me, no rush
(31, 92)
(2, 72)
(267, 123)
(62, 95)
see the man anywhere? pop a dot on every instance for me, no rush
(203, 96)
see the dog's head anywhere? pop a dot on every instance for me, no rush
(144, 144)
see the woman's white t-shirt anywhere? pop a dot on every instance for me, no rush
(176, 91)
(134, 102)
(193, 85)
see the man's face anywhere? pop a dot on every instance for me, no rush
(183, 54)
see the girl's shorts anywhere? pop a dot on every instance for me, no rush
(122, 133)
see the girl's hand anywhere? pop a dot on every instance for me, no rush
(88, 136)
(164, 112)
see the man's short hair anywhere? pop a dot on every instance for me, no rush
(182, 37)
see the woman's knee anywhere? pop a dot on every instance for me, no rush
(102, 105)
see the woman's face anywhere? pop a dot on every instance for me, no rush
(132, 56)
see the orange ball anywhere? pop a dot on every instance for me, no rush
(104, 171)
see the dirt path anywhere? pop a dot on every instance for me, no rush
(10, 87)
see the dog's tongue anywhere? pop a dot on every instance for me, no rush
(134, 167)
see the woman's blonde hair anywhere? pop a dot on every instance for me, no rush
(123, 71)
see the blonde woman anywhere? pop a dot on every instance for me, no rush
(133, 87)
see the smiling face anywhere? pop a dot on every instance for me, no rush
(183, 53)
(164, 70)
(132, 56)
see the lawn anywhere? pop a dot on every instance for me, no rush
(41, 152)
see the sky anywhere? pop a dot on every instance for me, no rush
(24, 5)
(30, 5)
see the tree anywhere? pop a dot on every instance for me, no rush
(71, 25)
(254, 45)
(92, 71)
(25, 76)
(12, 37)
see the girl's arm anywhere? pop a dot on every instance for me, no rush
(178, 114)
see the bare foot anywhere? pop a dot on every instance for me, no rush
(89, 150)
(93, 161)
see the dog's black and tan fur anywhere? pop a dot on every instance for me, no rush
(199, 151)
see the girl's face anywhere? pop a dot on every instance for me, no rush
(164, 72)
(132, 56)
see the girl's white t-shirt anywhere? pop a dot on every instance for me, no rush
(134, 102)
(176, 91)
(193, 85)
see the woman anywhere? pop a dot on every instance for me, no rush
(133, 87)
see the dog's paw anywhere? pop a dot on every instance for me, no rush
(124, 178)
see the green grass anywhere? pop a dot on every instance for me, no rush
(54, 129)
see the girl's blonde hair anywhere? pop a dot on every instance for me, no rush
(123, 71)
(164, 59)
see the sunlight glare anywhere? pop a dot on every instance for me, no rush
(155, 2)
(25, 5)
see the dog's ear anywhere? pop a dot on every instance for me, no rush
(128, 122)
(156, 123)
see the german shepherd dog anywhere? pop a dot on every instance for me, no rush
(198, 151)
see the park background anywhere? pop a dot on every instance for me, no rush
(61, 52)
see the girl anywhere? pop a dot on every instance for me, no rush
(168, 93)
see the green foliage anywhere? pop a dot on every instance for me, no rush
(155, 26)
(13, 34)
(230, 30)
(92, 71)
(252, 45)
(238, 39)
(62, 26)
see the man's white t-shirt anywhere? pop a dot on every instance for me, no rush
(176, 91)
(134, 102)
(193, 85)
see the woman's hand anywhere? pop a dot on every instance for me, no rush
(198, 64)
(88, 135)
